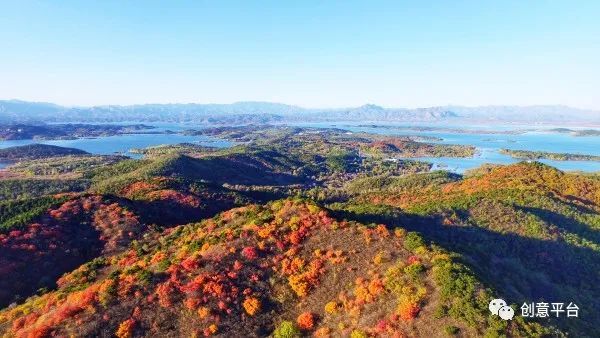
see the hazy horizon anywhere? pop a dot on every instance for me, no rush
(302, 106)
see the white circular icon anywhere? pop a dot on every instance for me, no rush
(495, 305)
(506, 313)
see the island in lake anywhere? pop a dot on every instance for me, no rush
(67, 131)
(36, 151)
(578, 132)
(538, 155)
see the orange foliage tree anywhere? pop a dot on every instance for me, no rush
(306, 321)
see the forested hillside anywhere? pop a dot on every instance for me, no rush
(293, 233)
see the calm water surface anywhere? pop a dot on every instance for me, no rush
(487, 143)
(122, 144)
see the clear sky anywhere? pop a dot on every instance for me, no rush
(310, 53)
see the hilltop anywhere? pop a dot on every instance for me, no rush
(284, 267)
(36, 151)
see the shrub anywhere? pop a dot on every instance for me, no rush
(399, 232)
(286, 329)
(210, 330)
(165, 293)
(358, 334)
(249, 253)
(412, 241)
(378, 259)
(451, 330)
(108, 291)
(306, 321)
(322, 332)
(299, 285)
(408, 310)
(251, 305)
(440, 312)
(414, 270)
(331, 307)
(125, 329)
(203, 312)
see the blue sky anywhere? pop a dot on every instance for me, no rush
(310, 53)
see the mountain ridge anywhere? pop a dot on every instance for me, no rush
(23, 111)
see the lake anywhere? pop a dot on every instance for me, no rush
(122, 144)
(488, 144)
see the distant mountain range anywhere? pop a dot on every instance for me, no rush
(267, 112)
